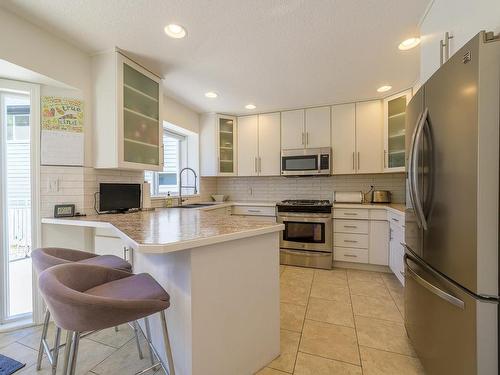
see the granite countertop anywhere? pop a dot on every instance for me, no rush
(395, 207)
(173, 229)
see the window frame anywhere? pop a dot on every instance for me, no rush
(181, 158)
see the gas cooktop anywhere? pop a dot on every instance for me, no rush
(305, 202)
(305, 205)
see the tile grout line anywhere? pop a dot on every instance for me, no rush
(355, 328)
(304, 321)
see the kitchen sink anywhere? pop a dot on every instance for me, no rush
(196, 205)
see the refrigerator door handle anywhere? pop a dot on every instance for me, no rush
(414, 169)
(432, 288)
(411, 188)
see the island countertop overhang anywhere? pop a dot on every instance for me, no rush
(166, 230)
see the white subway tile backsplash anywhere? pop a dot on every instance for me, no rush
(279, 188)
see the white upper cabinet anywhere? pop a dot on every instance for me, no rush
(394, 131)
(269, 144)
(127, 114)
(292, 129)
(317, 127)
(218, 145)
(343, 138)
(259, 145)
(369, 143)
(248, 145)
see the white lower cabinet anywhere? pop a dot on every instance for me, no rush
(361, 235)
(379, 243)
(106, 243)
(396, 250)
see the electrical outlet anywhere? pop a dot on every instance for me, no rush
(53, 185)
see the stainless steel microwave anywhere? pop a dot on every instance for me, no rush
(306, 162)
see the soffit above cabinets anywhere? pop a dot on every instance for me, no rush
(275, 54)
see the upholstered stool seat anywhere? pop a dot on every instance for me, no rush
(44, 258)
(83, 298)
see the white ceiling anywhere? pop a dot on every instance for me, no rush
(277, 54)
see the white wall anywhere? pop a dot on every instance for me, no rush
(463, 19)
(30, 47)
(180, 115)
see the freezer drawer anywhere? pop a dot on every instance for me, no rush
(451, 330)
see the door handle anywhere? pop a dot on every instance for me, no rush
(414, 172)
(411, 161)
(432, 288)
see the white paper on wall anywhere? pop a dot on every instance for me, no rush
(62, 141)
(62, 148)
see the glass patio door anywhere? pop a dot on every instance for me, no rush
(16, 205)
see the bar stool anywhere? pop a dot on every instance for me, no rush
(47, 257)
(85, 298)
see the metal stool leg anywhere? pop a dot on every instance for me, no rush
(55, 350)
(74, 353)
(166, 341)
(41, 348)
(67, 351)
(138, 343)
(148, 337)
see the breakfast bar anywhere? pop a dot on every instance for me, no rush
(222, 274)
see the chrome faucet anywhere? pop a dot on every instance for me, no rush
(186, 186)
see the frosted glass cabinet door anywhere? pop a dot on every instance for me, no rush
(394, 131)
(141, 120)
(227, 144)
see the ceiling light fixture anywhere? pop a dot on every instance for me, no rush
(211, 95)
(384, 88)
(175, 31)
(250, 106)
(409, 43)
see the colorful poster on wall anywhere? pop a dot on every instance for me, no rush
(62, 131)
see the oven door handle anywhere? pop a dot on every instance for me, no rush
(299, 219)
(314, 253)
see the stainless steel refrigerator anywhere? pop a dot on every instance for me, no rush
(452, 216)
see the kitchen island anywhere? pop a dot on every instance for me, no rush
(221, 271)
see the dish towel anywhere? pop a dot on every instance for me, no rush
(9, 366)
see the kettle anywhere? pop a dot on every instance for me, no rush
(381, 196)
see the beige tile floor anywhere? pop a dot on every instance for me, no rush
(342, 322)
(332, 322)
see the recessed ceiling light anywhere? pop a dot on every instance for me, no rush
(250, 106)
(384, 88)
(211, 95)
(175, 31)
(409, 43)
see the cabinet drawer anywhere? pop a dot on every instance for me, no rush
(350, 213)
(350, 255)
(350, 226)
(351, 240)
(396, 219)
(378, 214)
(254, 210)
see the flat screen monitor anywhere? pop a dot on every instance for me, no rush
(119, 197)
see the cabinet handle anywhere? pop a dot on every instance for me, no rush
(351, 241)
(350, 256)
(350, 213)
(307, 138)
(385, 158)
(353, 165)
(350, 226)
(125, 251)
(260, 165)
(303, 141)
(358, 160)
(250, 210)
(396, 220)
(255, 164)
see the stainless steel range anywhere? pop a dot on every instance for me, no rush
(307, 238)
